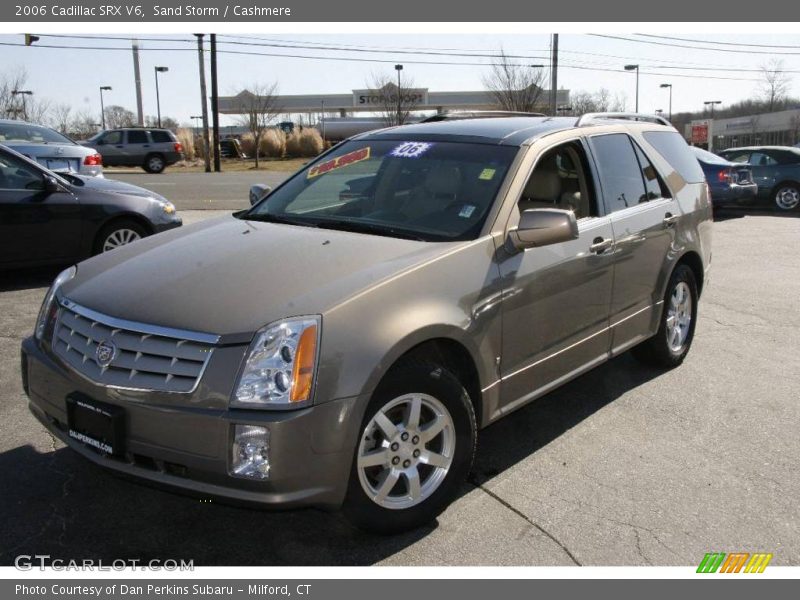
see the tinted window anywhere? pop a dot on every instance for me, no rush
(16, 174)
(431, 190)
(112, 137)
(137, 137)
(652, 181)
(785, 157)
(620, 174)
(676, 152)
(160, 137)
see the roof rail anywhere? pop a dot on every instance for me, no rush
(590, 118)
(478, 114)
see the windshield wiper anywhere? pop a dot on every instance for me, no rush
(269, 218)
(360, 227)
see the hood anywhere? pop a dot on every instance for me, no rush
(102, 184)
(227, 276)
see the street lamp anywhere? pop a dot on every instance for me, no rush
(563, 109)
(158, 100)
(660, 112)
(712, 104)
(196, 126)
(103, 88)
(23, 93)
(669, 85)
(398, 68)
(635, 68)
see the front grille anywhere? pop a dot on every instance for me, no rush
(144, 357)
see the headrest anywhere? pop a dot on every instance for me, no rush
(544, 184)
(444, 181)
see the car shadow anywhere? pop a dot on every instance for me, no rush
(58, 504)
(26, 279)
(726, 213)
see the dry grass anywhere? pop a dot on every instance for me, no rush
(186, 138)
(304, 143)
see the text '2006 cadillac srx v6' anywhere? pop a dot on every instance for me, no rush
(340, 343)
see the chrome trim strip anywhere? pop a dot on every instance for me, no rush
(117, 323)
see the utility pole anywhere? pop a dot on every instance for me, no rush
(215, 104)
(554, 75)
(398, 68)
(106, 88)
(137, 78)
(203, 100)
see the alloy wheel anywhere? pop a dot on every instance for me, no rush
(787, 198)
(406, 451)
(120, 237)
(679, 317)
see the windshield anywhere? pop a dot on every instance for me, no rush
(432, 191)
(24, 132)
(708, 157)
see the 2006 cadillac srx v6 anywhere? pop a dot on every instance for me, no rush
(340, 343)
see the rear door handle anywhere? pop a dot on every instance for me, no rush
(600, 245)
(670, 219)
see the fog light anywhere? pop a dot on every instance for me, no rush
(250, 456)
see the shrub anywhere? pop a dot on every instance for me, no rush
(304, 143)
(186, 138)
(273, 143)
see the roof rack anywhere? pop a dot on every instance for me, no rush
(478, 114)
(590, 118)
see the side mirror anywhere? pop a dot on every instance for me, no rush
(257, 192)
(542, 227)
(51, 184)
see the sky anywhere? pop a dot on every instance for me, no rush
(72, 75)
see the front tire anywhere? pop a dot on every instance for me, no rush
(415, 449)
(118, 233)
(787, 196)
(671, 344)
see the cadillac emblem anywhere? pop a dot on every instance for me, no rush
(105, 353)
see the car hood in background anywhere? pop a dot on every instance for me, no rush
(114, 186)
(227, 276)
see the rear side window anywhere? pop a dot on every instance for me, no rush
(676, 152)
(652, 180)
(620, 174)
(785, 157)
(137, 137)
(160, 137)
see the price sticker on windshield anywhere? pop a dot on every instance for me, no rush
(339, 162)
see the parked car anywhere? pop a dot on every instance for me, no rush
(314, 350)
(776, 171)
(50, 218)
(730, 183)
(151, 149)
(50, 149)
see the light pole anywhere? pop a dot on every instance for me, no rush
(158, 100)
(322, 114)
(712, 104)
(660, 112)
(23, 93)
(669, 85)
(398, 68)
(196, 118)
(563, 110)
(103, 88)
(635, 68)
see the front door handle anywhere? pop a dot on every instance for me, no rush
(600, 245)
(670, 219)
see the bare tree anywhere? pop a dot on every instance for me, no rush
(119, 116)
(775, 84)
(166, 122)
(258, 107)
(794, 124)
(83, 125)
(12, 105)
(395, 97)
(61, 117)
(583, 102)
(515, 86)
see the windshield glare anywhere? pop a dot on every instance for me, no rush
(16, 132)
(427, 190)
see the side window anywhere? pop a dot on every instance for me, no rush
(620, 174)
(137, 136)
(738, 157)
(160, 137)
(653, 184)
(560, 180)
(112, 137)
(16, 174)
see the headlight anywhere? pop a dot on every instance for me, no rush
(167, 207)
(49, 308)
(280, 365)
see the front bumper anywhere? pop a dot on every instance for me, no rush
(189, 447)
(176, 221)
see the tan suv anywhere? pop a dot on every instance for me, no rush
(341, 342)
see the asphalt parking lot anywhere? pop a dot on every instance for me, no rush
(623, 466)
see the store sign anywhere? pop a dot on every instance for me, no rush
(700, 133)
(387, 96)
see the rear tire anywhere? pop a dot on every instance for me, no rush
(414, 450)
(671, 344)
(787, 196)
(154, 163)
